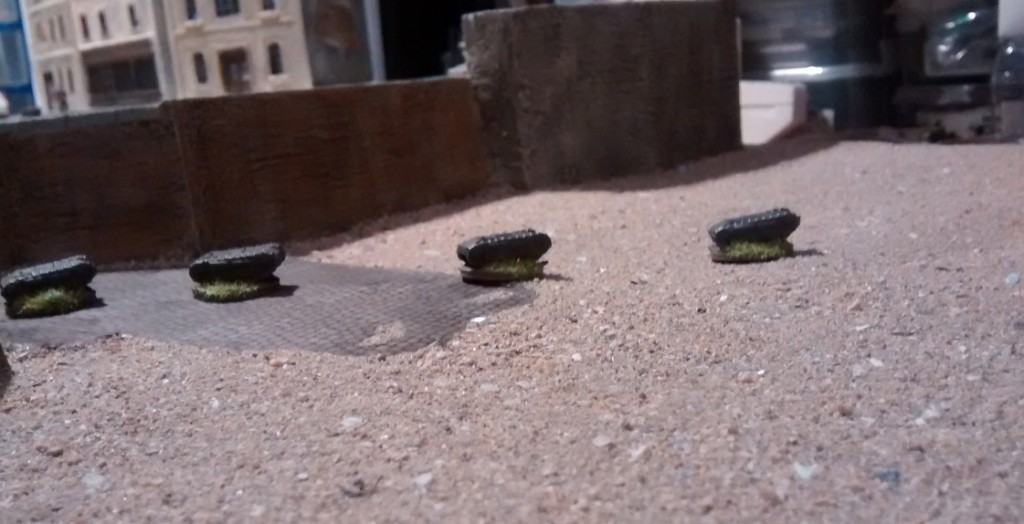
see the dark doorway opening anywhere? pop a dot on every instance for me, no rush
(234, 70)
(421, 38)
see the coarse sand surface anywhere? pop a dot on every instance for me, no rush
(876, 377)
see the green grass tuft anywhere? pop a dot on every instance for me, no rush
(517, 269)
(232, 291)
(746, 251)
(50, 302)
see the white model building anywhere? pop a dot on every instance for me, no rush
(100, 53)
(236, 46)
(94, 53)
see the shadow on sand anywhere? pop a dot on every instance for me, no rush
(6, 374)
(742, 161)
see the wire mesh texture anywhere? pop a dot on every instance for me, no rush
(321, 307)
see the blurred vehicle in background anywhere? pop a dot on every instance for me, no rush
(840, 49)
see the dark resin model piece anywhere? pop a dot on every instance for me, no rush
(503, 258)
(776, 224)
(244, 263)
(233, 275)
(528, 244)
(760, 237)
(53, 288)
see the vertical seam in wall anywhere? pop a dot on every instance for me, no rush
(6, 204)
(172, 111)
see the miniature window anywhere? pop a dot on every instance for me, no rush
(53, 34)
(200, 64)
(60, 29)
(104, 31)
(48, 82)
(71, 81)
(269, 5)
(85, 27)
(276, 64)
(40, 32)
(133, 17)
(226, 7)
(190, 9)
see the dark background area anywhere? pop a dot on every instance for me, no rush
(417, 34)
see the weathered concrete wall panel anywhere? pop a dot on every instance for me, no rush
(211, 173)
(293, 166)
(569, 94)
(112, 191)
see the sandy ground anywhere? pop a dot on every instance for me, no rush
(875, 378)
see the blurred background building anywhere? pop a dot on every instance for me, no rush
(221, 47)
(15, 71)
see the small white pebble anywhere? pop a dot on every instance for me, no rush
(601, 441)
(214, 403)
(478, 320)
(488, 388)
(93, 480)
(423, 480)
(637, 452)
(302, 476)
(576, 357)
(875, 362)
(804, 472)
(929, 413)
(723, 298)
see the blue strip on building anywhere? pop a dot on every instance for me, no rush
(15, 67)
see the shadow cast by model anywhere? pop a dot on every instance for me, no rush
(727, 164)
(6, 374)
(556, 277)
(812, 252)
(491, 194)
(284, 291)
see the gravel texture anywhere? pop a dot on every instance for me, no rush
(874, 378)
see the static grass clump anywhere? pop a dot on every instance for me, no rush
(760, 237)
(220, 291)
(518, 269)
(504, 258)
(51, 302)
(758, 251)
